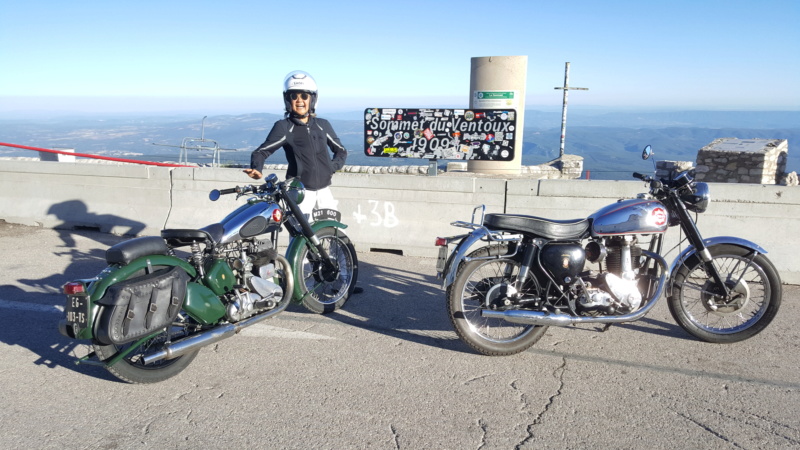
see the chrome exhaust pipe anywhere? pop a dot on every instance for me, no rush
(192, 343)
(543, 318)
(546, 318)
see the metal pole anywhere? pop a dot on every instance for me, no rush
(566, 89)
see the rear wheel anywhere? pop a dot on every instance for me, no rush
(485, 284)
(132, 368)
(700, 308)
(324, 289)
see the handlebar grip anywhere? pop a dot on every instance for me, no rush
(639, 176)
(228, 191)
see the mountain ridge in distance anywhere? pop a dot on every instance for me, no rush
(609, 142)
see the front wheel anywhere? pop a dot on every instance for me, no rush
(482, 284)
(324, 288)
(755, 295)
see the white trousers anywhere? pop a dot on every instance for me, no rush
(321, 199)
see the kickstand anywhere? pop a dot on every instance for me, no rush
(606, 327)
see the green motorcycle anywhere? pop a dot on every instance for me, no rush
(161, 299)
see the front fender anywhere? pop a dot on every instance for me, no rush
(711, 242)
(293, 251)
(299, 241)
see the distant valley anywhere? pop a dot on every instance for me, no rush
(609, 142)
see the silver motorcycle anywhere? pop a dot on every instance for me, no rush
(512, 275)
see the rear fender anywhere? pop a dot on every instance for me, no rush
(114, 274)
(460, 252)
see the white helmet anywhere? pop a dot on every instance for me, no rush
(299, 81)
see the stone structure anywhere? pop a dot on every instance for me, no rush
(733, 160)
(668, 169)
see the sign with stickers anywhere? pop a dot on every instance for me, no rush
(459, 134)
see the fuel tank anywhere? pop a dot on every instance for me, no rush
(249, 220)
(634, 216)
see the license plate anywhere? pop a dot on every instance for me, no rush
(440, 261)
(76, 311)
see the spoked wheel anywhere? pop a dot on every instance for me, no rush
(485, 284)
(754, 297)
(132, 368)
(323, 287)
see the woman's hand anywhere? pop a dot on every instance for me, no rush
(253, 173)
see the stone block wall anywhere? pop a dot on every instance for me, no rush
(733, 160)
(667, 169)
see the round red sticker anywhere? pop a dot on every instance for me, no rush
(659, 216)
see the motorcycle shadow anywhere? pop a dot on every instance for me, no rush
(399, 302)
(658, 328)
(410, 306)
(32, 307)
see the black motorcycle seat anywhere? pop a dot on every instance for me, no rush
(538, 226)
(182, 237)
(127, 251)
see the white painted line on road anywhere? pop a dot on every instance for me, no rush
(35, 307)
(258, 330)
(262, 330)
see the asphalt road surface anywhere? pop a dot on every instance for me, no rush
(387, 372)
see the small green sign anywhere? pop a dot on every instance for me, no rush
(495, 95)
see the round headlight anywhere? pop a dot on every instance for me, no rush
(296, 190)
(699, 198)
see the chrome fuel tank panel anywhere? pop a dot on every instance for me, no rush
(634, 216)
(234, 223)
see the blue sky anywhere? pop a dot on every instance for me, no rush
(231, 56)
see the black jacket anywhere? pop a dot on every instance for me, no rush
(306, 147)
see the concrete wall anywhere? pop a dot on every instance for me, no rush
(402, 213)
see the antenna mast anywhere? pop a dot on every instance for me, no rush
(566, 89)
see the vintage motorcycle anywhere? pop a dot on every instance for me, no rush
(532, 272)
(155, 305)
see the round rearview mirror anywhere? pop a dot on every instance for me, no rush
(214, 195)
(647, 152)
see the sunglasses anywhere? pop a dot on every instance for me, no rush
(296, 95)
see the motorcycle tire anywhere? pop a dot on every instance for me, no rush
(756, 295)
(131, 369)
(474, 283)
(321, 294)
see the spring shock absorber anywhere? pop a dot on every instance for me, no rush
(197, 258)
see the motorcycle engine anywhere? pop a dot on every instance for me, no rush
(255, 291)
(611, 294)
(615, 290)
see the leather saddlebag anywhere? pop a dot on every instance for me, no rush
(134, 308)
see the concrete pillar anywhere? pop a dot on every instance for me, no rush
(504, 75)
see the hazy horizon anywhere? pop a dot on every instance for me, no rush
(46, 107)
